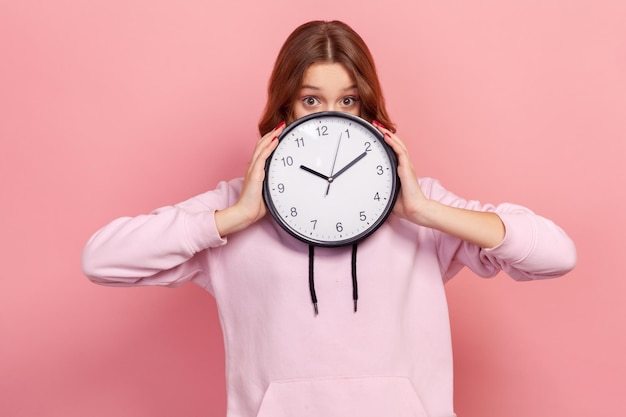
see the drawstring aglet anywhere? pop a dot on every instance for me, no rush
(315, 308)
(355, 302)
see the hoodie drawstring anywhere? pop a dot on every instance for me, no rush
(355, 285)
(311, 279)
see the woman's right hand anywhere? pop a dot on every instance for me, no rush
(250, 206)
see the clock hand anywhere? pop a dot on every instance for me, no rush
(307, 169)
(334, 162)
(344, 169)
(336, 153)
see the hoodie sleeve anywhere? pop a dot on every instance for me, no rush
(166, 247)
(533, 247)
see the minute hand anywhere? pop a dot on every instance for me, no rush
(344, 169)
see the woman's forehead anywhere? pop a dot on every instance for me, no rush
(327, 76)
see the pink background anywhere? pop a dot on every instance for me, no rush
(116, 107)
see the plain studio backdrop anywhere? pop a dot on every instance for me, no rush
(116, 107)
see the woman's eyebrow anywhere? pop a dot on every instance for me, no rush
(312, 87)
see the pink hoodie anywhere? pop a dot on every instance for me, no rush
(391, 358)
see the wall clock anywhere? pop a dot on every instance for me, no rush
(332, 180)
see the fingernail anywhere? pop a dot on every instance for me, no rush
(387, 134)
(281, 124)
(377, 123)
(274, 138)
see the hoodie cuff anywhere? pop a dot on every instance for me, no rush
(201, 231)
(519, 239)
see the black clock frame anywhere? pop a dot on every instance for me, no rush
(390, 204)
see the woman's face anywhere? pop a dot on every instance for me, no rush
(327, 87)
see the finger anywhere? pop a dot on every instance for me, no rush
(263, 150)
(274, 132)
(398, 147)
(391, 138)
(267, 139)
(264, 153)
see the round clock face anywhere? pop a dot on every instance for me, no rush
(332, 180)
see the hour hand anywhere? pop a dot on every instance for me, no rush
(312, 171)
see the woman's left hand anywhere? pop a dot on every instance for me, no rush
(411, 200)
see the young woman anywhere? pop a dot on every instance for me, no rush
(392, 357)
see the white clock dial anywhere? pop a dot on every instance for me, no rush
(332, 180)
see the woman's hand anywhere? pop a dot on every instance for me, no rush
(480, 228)
(411, 200)
(250, 206)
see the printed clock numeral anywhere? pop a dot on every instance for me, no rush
(322, 131)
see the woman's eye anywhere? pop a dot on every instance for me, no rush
(348, 101)
(310, 101)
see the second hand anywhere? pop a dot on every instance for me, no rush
(332, 171)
